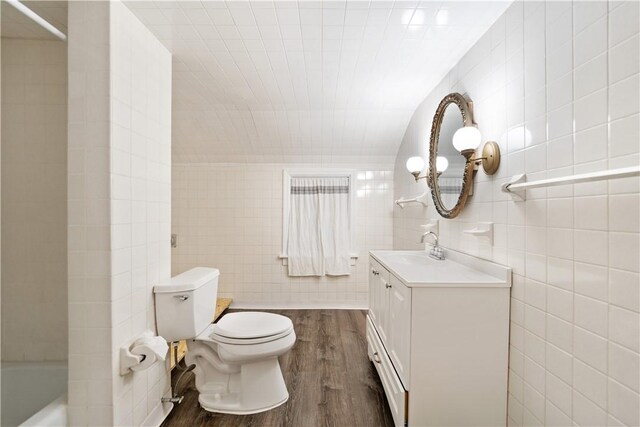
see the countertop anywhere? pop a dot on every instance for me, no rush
(417, 269)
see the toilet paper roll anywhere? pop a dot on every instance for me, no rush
(152, 348)
(149, 358)
(156, 345)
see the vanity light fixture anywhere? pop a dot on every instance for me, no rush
(467, 139)
(415, 165)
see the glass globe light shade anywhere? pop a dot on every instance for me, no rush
(415, 164)
(467, 138)
(441, 164)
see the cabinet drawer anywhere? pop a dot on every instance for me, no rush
(395, 392)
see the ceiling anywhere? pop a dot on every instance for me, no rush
(296, 81)
(17, 25)
(306, 81)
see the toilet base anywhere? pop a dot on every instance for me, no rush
(229, 405)
(258, 387)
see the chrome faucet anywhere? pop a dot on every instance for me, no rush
(436, 251)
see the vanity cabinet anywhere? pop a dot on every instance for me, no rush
(437, 335)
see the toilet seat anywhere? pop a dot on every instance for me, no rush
(248, 328)
(251, 324)
(248, 341)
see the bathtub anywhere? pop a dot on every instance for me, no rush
(34, 394)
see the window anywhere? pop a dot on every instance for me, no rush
(318, 222)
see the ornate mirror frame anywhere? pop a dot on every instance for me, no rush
(466, 110)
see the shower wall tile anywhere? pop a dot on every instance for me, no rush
(34, 200)
(119, 208)
(574, 249)
(140, 171)
(89, 256)
(230, 217)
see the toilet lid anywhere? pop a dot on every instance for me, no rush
(249, 324)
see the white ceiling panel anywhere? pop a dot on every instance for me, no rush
(316, 81)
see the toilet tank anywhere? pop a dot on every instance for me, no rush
(186, 303)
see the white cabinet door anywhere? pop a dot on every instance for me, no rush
(399, 325)
(378, 289)
(382, 286)
(374, 306)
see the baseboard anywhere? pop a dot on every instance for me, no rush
(280, 305)
(158, 414)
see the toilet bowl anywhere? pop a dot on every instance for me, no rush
(236, 360)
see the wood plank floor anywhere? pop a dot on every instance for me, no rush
(330, 379)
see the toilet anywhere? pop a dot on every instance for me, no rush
(236, 359)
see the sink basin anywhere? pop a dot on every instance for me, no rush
(402, 257)
(416, 268)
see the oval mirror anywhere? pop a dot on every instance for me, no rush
(450, 175)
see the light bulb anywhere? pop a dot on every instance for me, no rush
(467, 138)
(441, 164)
(415, 164)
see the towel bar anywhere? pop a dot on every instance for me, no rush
(518, 184)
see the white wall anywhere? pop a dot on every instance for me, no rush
(230, 217)
(34, 200)
(89, 257)
(556, 84)
(140, 201)
(0, 217)
(119, 208)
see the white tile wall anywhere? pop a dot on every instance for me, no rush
(556, 84)
(0, 211)
(119, 208)
(89, 256)
(230, 217)
(140, 77)
(34, 194)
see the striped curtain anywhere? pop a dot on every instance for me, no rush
(319, 226)
(450, 189)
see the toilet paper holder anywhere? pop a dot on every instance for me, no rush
(142, 352)
(128, 360)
